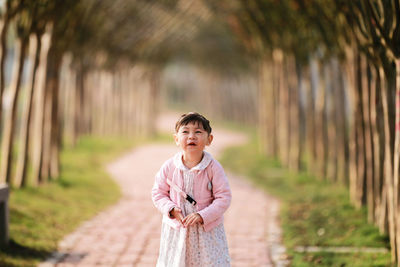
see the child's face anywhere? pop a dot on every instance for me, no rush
(192, 138)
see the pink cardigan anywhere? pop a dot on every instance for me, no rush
(210, 204)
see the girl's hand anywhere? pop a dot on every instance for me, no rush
(192, 219)
(177, 214)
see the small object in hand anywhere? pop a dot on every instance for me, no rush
(191, 200)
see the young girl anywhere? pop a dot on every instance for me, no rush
(192, 192)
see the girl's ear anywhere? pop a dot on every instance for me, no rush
(210, 138)
(176, 139)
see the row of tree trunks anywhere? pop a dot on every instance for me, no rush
(351, 133)
(51, 103)
(211, 92)
(288, 96)
(101, 102)
(10, 120)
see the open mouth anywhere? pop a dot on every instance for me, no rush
(192, 144)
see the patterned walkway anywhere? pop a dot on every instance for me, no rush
(127, 234)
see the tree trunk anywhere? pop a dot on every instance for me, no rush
(383, 220)
(312, 115)
(322, 134)
(34, 55)
(350, 68)
(154, 95)
(50, 107)
(46, 137)
(87, 105)
(388, 169)
(79, 96)
(284, 111)
(328, 126)
(281, 100)
(366, 96)
(360, 135)
(300, 116)
(274, 111)
(37, 154)
(341, 124)
(331, 90)
(292, 109)
(397, 156)
(68, 90)
(263, 126)
(3, 50)
(377, 166)
(55, 134)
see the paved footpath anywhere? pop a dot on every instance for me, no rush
(127, 233)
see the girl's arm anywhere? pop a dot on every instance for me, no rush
(160, 191)
(222, 195)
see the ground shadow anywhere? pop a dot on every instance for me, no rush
(16, 250)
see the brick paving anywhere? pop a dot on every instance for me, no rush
(127, 233)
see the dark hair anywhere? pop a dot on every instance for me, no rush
(191, 117)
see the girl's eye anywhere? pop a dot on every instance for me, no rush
(185, 132)
(198, 131)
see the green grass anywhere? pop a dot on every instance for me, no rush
(314, 212)
(40, 217)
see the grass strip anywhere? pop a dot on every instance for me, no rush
(314, 212)
(40, 217)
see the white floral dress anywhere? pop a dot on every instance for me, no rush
(192, 246)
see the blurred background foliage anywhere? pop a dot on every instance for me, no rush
(319, 79)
